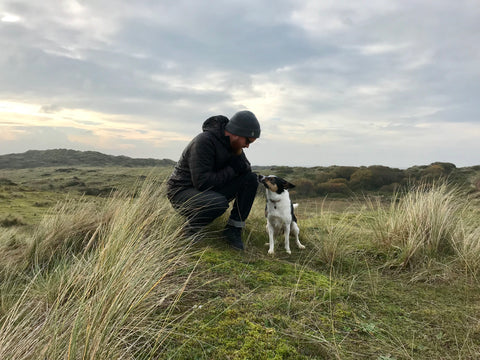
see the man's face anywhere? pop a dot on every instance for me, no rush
(239, 142)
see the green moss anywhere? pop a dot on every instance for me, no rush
(238, 335)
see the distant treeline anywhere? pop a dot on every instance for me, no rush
(64, 157)
(345, 180)
(311, 181)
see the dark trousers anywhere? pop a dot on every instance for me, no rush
(202, 207)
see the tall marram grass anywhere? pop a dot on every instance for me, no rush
(430, 221)
(103, 282)
(332, 233)
(72, 226)
(467, 246)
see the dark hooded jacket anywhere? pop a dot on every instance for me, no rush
(205, 162)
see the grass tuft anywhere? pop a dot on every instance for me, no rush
(428, 222)
(115, 301)
(10, 221)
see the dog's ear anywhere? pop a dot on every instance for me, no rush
(287, 185)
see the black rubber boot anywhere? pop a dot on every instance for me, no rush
(233, 235)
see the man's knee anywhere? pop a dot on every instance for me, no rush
(215, 204)
(191, 202)
(206, 206)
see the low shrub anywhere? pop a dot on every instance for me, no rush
(362, 180)
(338, 181)
(304, 187)
(390, 188)
(344, 172)
(106, 191)
(8, 182)
(332, 188)
(10, 221)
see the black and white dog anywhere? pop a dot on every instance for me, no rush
(279, 211)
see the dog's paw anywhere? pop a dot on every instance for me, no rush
(271, 252)
(300, 246)
(289, 252)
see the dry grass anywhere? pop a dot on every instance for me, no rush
(467, 246)
(429, 221)
(69, 228)
(114, 301)
(114, 279)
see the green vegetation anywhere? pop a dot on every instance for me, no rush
(110, 276)
(86, 172)
(26, 194)
(64, 157)
(344, 181)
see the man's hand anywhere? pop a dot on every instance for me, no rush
(240, 164)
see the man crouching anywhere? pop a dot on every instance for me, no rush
(212, 171)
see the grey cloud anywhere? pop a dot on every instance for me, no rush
(37, 138)
(225, 45)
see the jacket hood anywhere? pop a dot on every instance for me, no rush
(215, 123)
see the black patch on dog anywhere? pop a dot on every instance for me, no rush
(294, 218)
(280, 183)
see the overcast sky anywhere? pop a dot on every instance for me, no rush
(393, 83)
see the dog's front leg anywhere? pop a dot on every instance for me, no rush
(287, 238)
(271, 239)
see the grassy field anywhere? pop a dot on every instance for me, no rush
(109, 275)
(26, 194)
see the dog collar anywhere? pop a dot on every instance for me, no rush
(274, 202)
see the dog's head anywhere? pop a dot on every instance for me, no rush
(275, 184)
